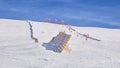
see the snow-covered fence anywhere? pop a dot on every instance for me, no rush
(84, 35)
(47, 20)
(59, 43)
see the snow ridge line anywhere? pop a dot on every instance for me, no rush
(31, 32)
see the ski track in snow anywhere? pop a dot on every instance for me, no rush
(18, 50)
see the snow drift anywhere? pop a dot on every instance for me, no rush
(18, 50)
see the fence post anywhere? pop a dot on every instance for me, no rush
(86, 36)
(56, 21)
(47, 20)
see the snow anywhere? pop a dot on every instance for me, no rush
(18, 50)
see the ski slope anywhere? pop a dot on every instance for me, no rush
(18, 50)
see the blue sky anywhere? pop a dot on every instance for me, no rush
(93, 13)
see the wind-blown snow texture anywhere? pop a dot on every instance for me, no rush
(18, 50)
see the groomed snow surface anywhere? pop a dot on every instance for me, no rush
(18, 50)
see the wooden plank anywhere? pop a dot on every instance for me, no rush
(61, 40)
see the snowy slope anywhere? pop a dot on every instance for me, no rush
(18, 50)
